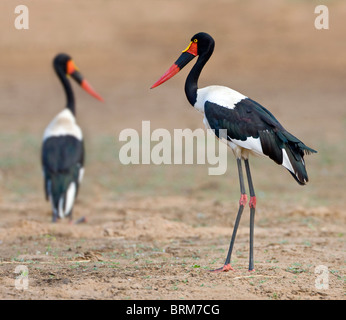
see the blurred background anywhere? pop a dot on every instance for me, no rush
(268, 50)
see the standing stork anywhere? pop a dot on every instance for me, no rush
(63, 146)
(251, 129)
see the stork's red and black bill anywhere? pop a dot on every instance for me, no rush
(73, 71)
(188, 54)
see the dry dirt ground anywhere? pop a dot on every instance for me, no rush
(154, 232)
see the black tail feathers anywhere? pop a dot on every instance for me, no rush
(295, 151)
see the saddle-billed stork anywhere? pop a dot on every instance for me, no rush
(62, 153)
(251, 129)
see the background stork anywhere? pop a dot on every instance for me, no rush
(63, 146)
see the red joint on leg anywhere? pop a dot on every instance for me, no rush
(252, 202)
(243, 200)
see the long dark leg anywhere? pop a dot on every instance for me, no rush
(242, 203)
(252, 205)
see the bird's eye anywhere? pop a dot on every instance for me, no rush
(195, 40)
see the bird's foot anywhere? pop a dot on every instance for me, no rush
(80, 220)
(225, 268)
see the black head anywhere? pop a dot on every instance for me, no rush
(64, 66)
(61, 62)
(202, 45)
(205, 43)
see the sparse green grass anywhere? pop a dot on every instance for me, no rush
(296, 268)
(323, 167)
(21, 174)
